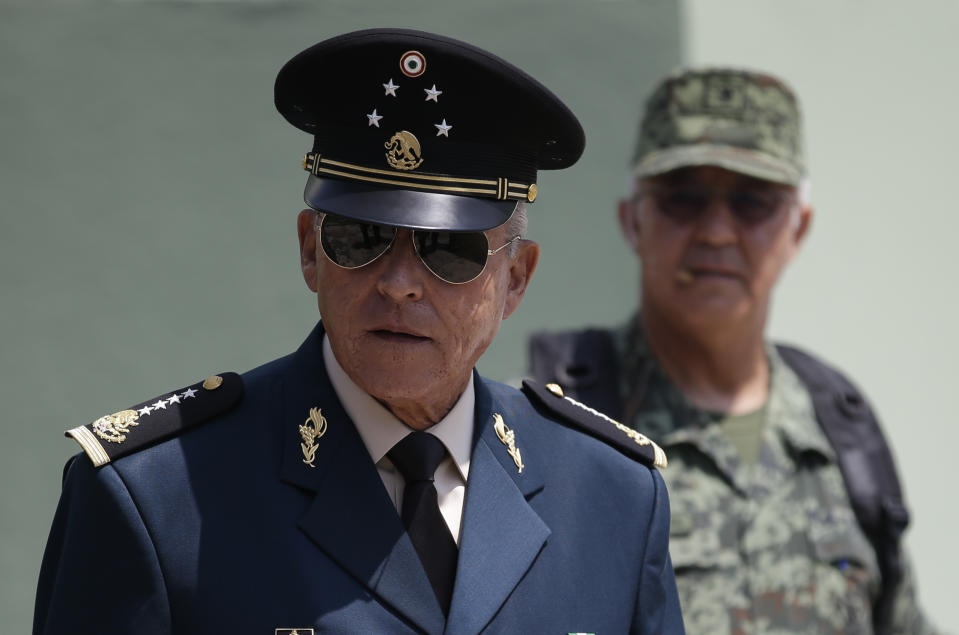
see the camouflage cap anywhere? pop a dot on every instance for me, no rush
(735, 119)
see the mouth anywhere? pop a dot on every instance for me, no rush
(688, 275)
(714, 273)
(398, 336)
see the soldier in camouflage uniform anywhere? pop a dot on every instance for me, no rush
(763, 537)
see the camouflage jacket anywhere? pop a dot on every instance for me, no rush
(772, 547)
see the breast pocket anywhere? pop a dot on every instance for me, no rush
(846, 578)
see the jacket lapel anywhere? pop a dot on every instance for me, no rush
(351, 517)
(502, 535)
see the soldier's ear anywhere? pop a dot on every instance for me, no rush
(802, 223)
(306, 222)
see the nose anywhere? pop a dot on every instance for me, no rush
(400, 271)
(717, 227)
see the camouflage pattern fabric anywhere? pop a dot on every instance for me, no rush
(735, 119)
(772, 547)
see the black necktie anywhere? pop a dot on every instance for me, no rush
(417, 457)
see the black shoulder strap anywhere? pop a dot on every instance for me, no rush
(584, 363)
(867, 467)
(549, 399)
(116, 435)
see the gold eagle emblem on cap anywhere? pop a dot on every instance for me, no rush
(403, 151)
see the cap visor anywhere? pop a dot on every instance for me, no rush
(405, 208)
(748, 162)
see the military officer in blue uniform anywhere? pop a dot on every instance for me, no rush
(372, 481)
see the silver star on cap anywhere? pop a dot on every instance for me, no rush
(374, 119)
(390, 88)
(443, 129)
(432, 94)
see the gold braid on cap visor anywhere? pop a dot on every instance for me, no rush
(501, 189)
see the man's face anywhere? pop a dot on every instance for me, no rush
(403, 335)
(712, 243)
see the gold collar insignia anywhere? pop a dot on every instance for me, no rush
(312, 429)
(508, 437)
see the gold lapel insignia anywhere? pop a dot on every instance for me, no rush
(312, 429)
(293, 631)
(508, 437)
(115, 427)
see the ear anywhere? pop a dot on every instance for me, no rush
(520, 271)
(803, 224)
(305, 229)
(629, 222)
(800, 228)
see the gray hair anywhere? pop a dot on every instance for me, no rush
(517, 225)
(804, 189)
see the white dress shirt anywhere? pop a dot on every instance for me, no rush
(381, 430)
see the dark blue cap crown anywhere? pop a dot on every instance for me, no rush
(419, 130)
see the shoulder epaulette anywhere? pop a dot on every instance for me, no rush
(595, 423)
(140, 426)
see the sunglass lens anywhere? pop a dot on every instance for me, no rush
(453, 256)
(352, 244)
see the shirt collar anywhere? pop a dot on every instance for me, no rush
(791, 409)
(381, 430)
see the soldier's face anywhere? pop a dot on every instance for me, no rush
(712, 243)
(402, 334)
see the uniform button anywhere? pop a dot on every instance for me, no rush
(555, 389)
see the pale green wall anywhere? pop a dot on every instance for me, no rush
(875, 287)
(149, 193)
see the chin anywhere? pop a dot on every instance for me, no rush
(703, 307)
(391, 379)
(714, 313)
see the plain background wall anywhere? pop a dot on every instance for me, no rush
(875, 286)
(149, 194)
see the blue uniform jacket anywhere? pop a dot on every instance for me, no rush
(224, 529)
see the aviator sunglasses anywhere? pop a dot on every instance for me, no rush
(454, 257)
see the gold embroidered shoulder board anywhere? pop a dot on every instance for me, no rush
(127, 431)
(594, 423)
